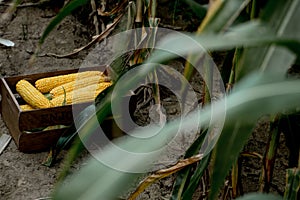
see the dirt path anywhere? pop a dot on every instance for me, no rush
(22, 175)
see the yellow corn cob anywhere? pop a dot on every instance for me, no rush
(46, 84)
(81, 95)
(26, 107)
(31, 95)
(80, 83)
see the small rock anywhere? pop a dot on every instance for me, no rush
(21, 181)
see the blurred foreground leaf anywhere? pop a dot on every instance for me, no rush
(96, 180)
(257, 196)
(250, 34)
(283, 16)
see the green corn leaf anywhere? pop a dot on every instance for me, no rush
(283, 17)
(196, 178)
(230, 144)
(292, 184)
(222, 15)
(237, 130)
(271, 59)
(180, 183)
(250, 34)
(183, 175)
(245, 97)
(96, 179)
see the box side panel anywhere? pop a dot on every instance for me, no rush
(45, 117)
(9, 111)
(39, 141)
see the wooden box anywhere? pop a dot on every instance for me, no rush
(20, 122)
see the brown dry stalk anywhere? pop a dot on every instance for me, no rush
(139, 8)
(160, 174)
(95, 18)
(214, 5)
(115, 10)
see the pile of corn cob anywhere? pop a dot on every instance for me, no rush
(62, 90)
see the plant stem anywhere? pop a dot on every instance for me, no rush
(270, 156)
(235, 179)
(254, 9)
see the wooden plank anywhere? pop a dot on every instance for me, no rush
(39, 141)
(45, 117)
(9, 111)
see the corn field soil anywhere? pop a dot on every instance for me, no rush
(22, 175)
